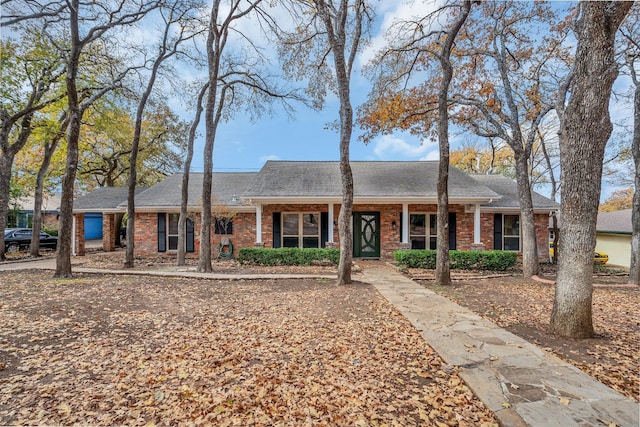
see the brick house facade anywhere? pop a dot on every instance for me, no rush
(298, 204)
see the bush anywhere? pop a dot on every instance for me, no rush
(458, 260)
(288, 256)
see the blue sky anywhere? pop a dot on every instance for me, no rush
(242, 145)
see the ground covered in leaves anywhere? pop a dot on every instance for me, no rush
(133, 350)
(524, 308)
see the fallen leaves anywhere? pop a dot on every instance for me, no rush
(524, 308)
(199, 352)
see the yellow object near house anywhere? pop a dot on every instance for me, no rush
(598, 257)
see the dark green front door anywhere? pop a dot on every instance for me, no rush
(366, 236)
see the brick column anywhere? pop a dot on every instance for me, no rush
(79, 235)
(108, 232)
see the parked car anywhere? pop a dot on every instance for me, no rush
(598, 257)
(16, 239)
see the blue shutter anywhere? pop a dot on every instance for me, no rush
(162, 232)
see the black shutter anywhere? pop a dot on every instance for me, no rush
(324, 228)
(162, 232)
(497, 231)
(401, 227)
(276, 229)
(190, 245)
(452, 231)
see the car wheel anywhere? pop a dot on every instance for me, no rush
(13, 248)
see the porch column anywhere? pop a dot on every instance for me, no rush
(405, 223)
(476, 225)
(330, 230)
(258, 225)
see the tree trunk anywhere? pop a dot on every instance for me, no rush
(530, 261)
(65, 235)
(443, 269)
(184, 193)
(6, 161)
(634, 271)
(214, 56)
(584, 130)
(49, 149)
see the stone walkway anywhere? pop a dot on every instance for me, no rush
(521, 383)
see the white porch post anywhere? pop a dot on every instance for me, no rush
(258, 223)
(405, 223)
(476, 225)
(330, 230)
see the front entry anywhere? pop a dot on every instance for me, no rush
(366, 236)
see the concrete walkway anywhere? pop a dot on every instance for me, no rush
(521, 383)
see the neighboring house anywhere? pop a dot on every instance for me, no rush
(22, 217)
(297, 203)
(613, 236)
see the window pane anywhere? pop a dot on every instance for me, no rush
(310, 242)
(433, 225)
(173, 243)
(310, 224)
(418, 242)
(511, 244)
(511, 225)
(173, 223)
(290, 224)
(290, 242)
(418, 225)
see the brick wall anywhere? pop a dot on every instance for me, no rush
(244, 228)
(108, 232)
(80, 251)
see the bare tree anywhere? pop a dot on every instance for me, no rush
(443, 273)
(174, 16)
(336, 29)
(236, 79)
(585, 127)
(184, 191)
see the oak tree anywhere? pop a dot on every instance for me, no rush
(585, 127)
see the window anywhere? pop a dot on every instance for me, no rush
(168, 232)
(172, 231)
(420, 232)
(223, 225)
(301, 230)
(511, 238)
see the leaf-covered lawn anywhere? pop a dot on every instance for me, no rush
(100, 350)
(524, 308)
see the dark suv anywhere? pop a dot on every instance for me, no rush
(16, 239)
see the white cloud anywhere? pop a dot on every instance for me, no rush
(264, 159)
(390, 147)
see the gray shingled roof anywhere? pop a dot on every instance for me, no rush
(371, 179)
(615, 222)
(167, 193)
(508, 189)
(103, 199)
